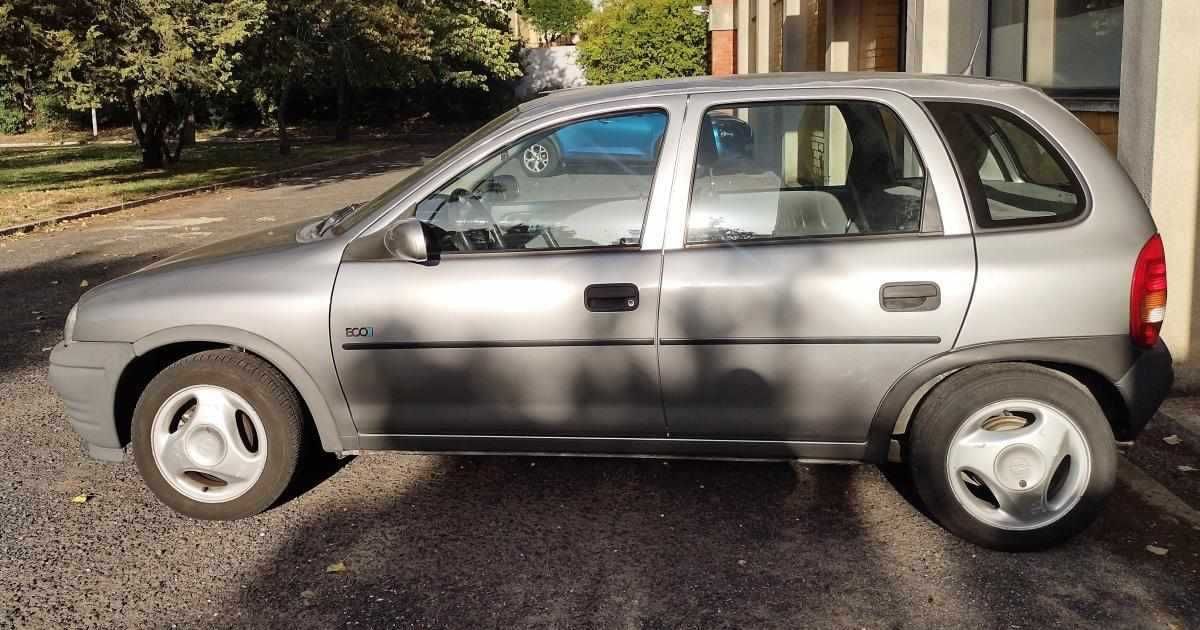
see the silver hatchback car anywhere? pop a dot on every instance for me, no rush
(951, 273)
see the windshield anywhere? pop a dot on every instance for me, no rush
(381, 202)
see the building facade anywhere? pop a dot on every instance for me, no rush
(1129, 69)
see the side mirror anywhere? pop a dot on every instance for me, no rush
(406, 240)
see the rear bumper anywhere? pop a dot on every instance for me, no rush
(1144, 387)
(85, 375)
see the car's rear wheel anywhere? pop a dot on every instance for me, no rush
(541, 158)
(217, 435)
(1012, 456)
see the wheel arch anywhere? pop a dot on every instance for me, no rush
(1095, 362)
(158, 350)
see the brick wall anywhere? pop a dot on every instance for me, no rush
(879, 36)
(722, 38)
(1104, 125)
(723, 47)
(816, 35)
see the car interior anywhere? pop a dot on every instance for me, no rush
(1021, 180)
(498, 206)
(786, 185)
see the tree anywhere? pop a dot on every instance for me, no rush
(350, 45)
(155, 55)
(284, 51)
(632, 40)
(555, 18)
(25, 53)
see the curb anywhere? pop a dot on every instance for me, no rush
(125, 205)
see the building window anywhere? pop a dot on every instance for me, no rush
(1064, 46)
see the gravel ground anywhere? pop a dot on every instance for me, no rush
(478, 542)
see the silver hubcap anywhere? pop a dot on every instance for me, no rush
(536, 158)
(209, 443)
(1018, 464)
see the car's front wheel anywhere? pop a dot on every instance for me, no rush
(1012, 456)
(218, 434)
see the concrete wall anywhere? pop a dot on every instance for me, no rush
(1159, 144)
(548, 69)
(943, 35)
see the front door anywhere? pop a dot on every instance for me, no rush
(813, 268)
(538, 319)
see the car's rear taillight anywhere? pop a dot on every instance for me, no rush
(1148, 293)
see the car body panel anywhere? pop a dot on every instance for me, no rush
(1087, 294)
(266, 292)
(271, 293)
(789, 341)
(499, 343)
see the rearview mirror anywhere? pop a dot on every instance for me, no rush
(405, 240)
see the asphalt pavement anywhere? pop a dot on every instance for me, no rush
(388, 540)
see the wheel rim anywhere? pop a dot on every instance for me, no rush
(1018, 464)
(536, 158)
(209, 443)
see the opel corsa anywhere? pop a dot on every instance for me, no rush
(951, 273)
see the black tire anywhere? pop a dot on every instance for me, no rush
(962, 394)
(554, 158)
(265, 389)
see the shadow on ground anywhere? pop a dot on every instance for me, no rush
(502, 542)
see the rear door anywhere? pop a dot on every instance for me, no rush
(805, 275)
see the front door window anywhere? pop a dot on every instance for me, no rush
(584, 185)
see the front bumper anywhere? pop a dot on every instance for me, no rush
(1144, 387)
(85, 375)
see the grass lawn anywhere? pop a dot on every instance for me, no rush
(42, 183)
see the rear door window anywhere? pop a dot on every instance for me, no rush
(787, 170)
(1014, 175)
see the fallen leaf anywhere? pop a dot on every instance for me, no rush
(81, 498)
(1186, 468)
(336, 567)
(1172, 439)
(1156, 550)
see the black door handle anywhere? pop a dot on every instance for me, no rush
(610, 298)
(910, 296)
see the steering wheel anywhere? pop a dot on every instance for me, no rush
(477, 210)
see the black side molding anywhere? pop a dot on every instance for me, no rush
(832, 341)
(515, 343)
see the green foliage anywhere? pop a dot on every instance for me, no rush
(632, 40)
(12, 119)
(155, 55)
(26, 52)
(51, 113)
(355, 45)
(166, 59)
(556, 18)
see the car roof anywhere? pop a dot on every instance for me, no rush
(914, 85)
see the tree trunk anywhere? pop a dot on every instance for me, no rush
(281, 119)
(153, 150)
(342, 132)
(151, 136)
(187, 135)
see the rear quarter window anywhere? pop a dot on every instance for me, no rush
(1014, 175)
